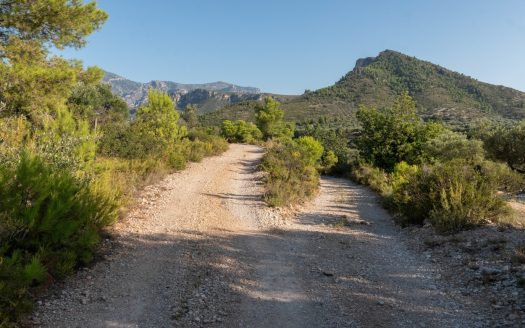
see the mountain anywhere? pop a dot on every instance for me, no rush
(207, 97)
(441, 94)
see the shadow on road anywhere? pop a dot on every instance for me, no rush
(319, 274)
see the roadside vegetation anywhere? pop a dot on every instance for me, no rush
(241, 132)
(426, 172)
(292, 165)
(70, 155)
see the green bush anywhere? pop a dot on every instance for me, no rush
(269, 118)
(338, 154)
(409, 195)
(394, 134)
(505, 179)
(329, 161)
(369, 175)
(240, 131)
(463, 196)
(308, 150)
(504, 142)
(49, 224)
(155, 134)
(177, 159)
(433, 173)
(454, 195)
(450, 145)
(203, 133)
(291, 167)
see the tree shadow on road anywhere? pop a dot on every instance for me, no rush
(327, 277)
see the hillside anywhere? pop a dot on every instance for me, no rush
(207, 97)
(440, 93)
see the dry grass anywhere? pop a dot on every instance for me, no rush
(517, 217)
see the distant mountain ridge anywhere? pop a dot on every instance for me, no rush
(441, 94)
(207, 97)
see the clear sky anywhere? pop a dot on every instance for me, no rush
(287, 46)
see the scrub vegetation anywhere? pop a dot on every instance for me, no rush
(70, 155)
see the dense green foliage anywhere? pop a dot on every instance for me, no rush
(97, 104)
(269, 120)
(60, 22)
(39, 83)
(504, 142)
(191, 116)
(453, 195)
(338, 154)
(448, 145)
(240, 131)
(70, 157)
(394, 134)
(49, 223)
(426, 172)
(291, 167)
(157, 134)
(52, 209)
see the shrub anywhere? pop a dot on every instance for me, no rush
(49, 223)
(13, 132)
(269, 119)
(177, 159)
(159, 119)
(453, 196)
(410, 193)
(450, 145)
(393, 135)
(504, 142)
(369, 175)
(463, 196)
(291, 167)
(504, 178)
(240, 131)
(203, 133)
(329, 161)
(310, 150)
(338, 154)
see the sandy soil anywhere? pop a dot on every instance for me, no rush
(203, 250)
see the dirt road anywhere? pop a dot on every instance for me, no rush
(203, 250)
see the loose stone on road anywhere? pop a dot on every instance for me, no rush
(203, 250)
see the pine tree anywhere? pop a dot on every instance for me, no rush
(269, 119)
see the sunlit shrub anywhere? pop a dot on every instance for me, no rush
(454, 195)
(240, 131)
(49, 223)
(369, 175)
(291, 167)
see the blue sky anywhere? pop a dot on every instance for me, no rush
(287, 46)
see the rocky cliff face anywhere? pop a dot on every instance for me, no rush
(208, 97)
(208, 101)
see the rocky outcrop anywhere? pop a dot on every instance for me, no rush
(207, 97)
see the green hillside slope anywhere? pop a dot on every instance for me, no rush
(440, 93)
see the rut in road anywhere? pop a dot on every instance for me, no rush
(209, 253)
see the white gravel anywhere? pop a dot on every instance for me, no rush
(203, 250)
